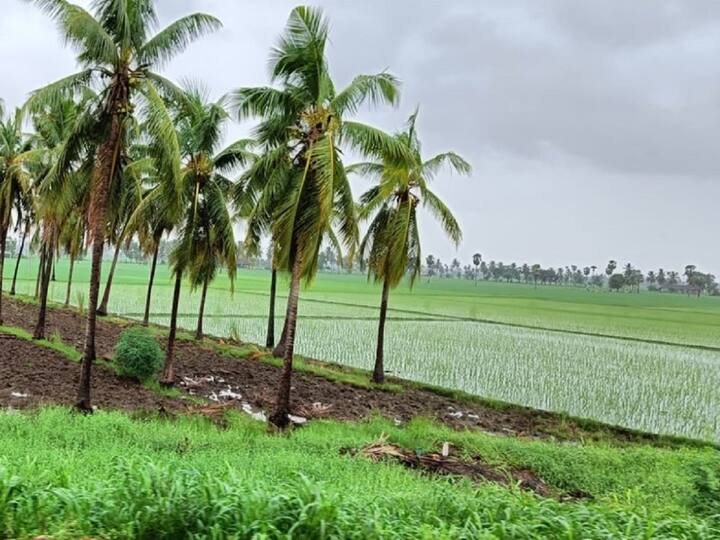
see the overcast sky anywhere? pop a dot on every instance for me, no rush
(592, 126)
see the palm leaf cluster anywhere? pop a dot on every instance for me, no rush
(119, 152)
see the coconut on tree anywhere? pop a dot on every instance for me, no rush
(117, 53)
(392, 241)
(303, 121)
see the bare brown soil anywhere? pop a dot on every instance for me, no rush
(250, 384)
(32, 376)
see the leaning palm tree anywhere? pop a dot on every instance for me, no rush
(207, 240)
(392, 242)
(303, 122)
(117, 54)
(15, 151)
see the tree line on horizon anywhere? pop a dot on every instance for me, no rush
(119, 156)
(628, 278)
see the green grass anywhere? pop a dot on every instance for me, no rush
(545, 348)
(109, 476)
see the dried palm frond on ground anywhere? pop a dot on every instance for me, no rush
(437, 463)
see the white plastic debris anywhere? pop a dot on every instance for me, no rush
(446, 449)
(257, 415)
(229, 394)
(457, 414)
(297, 419)
(18, 395)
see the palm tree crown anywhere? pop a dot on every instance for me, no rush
(302, 124)
(392, 241)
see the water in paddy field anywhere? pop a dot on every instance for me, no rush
(651, 387)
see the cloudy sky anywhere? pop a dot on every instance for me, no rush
(592, 127)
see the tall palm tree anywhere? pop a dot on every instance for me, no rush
(392, 242)
(303, 121)
(59, 192)
(15, 151)
(117, 54)
(207, 240)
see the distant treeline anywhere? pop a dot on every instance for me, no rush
(612, 277)
(627, 278)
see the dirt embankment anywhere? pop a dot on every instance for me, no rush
(47, 377)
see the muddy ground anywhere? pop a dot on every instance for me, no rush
(33, 376)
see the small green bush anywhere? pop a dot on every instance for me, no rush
(137, 354)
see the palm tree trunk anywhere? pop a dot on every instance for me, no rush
(19, 258)
(107, 159)
(70, 277)
(201, 313)
(168, 376)
(379, 371)
(270, 341)
(279, 350)
(279, 416)
(44, 286)
(146, 317)
(41, 265)
(102, 310)
(54, 265)
(3, 241)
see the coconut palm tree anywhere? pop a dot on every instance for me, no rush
(124, 199)
(15, 151)
(392, 242)
(117, 53)
(207, 240)
(303, 122)
(59, 192)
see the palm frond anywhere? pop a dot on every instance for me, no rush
(370, 141)
(164, 145)
(450, 159)
(175, 38)
(83, 32)
(443, 214)
(377, 89)
(51, 95)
